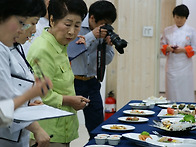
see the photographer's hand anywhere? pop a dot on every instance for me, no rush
(96, 32)
(108, 40)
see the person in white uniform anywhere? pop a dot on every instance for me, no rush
(178, 43)
(42, 23)
(12, 24)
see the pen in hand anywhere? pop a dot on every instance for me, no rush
(39, 68)
(36, 144)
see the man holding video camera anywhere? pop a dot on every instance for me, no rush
(85, 65)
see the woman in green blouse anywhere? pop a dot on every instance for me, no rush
(65, 18)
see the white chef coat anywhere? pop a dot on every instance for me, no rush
(179, 68)
(12, 63)
(6, 112)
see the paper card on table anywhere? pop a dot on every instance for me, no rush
(74, 49)
(33, 113)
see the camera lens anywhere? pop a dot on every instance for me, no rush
(119, 43)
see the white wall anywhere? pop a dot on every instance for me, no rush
(190, 21)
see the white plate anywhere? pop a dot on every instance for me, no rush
(128, 127)
(132, 112)
(158, 102)
(154, 141)
(139, 106)
(99, 146)
(170, 106)
(141, 119)
(165, 106)
(163, 112)
(174, 120)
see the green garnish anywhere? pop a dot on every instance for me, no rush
(145, 133)
(188, 118)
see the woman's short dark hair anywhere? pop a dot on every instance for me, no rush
(21, 8)
(181, 10)
(103, 10)
(38, 8)
(60, 8)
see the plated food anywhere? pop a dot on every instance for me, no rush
(156, 100)
(133, 119)
(179, 106)
(141, 105)
(139, 112)
(144, 135)
(154, 140)
(118, 127)
(186, 118)
(169, 113)
(173, 126)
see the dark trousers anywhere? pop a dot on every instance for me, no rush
(93, 113)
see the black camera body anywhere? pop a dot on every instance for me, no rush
(115, 39)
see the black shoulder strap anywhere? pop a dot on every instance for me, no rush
(23, 55)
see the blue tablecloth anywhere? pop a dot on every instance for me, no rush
(139, 127)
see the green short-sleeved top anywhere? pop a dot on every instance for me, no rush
(54, 62)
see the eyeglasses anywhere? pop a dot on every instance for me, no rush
(24, 26)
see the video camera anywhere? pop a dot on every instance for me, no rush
(116, 40)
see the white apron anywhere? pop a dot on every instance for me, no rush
(13, 63)
(179, 68)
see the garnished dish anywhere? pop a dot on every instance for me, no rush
(139, 112)
(141, 105)
(170, 112)
(169, 140)
(154, 140)
(187, 118)
(118, 127)
(156, 100)
(173, 126)
(182, 106)
(179, 106)
(133, 119)
(144, 135)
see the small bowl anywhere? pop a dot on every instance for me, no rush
(100, 140)
(103, 135)
(115, 136)
(113, 140)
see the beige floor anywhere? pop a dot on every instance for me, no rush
(83, 137)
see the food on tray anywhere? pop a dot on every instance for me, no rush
(181, 106)
(144, 135)
(174, 106)
(132, 118)
(170, 111)
(185, 111)
(137, 112)
(175, 126)
(168, 140)
(118, 127)
(188, 118)
(142, 104)
(156, 99)
(191, 106)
